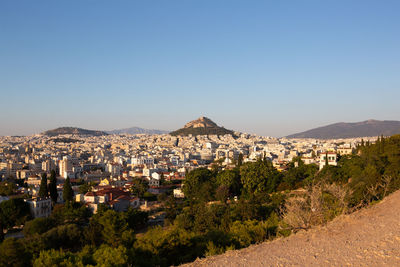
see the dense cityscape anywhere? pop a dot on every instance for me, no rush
(110, 163)
(154, 184)
(199, 133)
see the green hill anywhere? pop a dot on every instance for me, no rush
(74, 131)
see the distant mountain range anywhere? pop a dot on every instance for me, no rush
(349, 130)
(73, 130)
(201, 126)
(137, 130)
(205, 126)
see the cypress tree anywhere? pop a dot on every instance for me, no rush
(162, 179)
(240, 160)
(68, 194)
(1, 232)
(53, 187)
(43, 190)
(326, 159)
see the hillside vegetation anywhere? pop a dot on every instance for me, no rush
(201, 131)
(368, 237)
(201, 126)
(209, 221)
(73, 130)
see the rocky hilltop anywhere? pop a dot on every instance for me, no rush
(74, 131)
(201, 126)
(350, 130)
(201, 122)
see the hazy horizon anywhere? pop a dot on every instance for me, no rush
(106, 130)
(262, 67)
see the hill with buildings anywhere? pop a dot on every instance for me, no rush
(137, 130)
(201, 126)
(74, 131)
(350, 130)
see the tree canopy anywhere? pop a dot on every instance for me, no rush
(53, 187)
(68, 194)
(43, 190)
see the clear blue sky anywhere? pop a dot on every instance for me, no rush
(266, 67)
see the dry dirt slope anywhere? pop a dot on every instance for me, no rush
(370, 237)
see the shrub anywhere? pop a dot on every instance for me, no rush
(317, 205)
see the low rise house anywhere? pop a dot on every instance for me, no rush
(39, 207)
(330, 157)
(116, 198)
(344, 151)
(178, 193)
(33, 180)
(308, 160)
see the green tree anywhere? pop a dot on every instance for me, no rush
(231, 180)
(171, 246)
(248, 232)
(13, 253)
(295, 177)
(259, 178)
(53, 187)
(74, 212)
(139, 187)
(68, 194)
(382, 144)
(14, 212)
(57, 258)
(7, 188)
(240, 160)
(84, 188)
(135, 218)
(38, 226)
(198, 184)
(67, 236)
(1, 231)
(43, 191)
(222, 193)
(114, 225)
(162, 179)
(171, 209)
(111, 257)
(326, 160)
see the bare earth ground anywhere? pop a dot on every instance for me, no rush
(369, 237)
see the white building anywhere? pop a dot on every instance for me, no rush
(48, 165)
(113, 168)
(332, 159)
(148, 172)
(154, 182)
(39, 207)
(142, 161)
(178, 193)
(345, 150)
(65, 167)
(308, 160)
